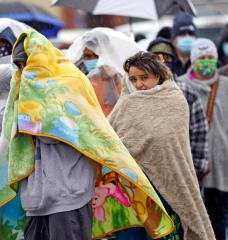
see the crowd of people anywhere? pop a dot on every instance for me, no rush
(109, 140)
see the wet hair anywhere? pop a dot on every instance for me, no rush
(149, 63)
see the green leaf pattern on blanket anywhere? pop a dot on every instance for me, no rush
(97, 142)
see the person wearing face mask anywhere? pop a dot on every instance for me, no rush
(198, 129)
(165, 49)
(107, 86)
(183, 36)
(99, 54)
(212, 88)
(88, 61)
(105, 80)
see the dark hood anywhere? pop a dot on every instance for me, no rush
(8, 35)
(19, 54)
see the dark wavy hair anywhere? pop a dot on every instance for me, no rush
(149, 63)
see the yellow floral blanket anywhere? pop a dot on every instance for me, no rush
(52, 98)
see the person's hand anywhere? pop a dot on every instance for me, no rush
(202, 175)
(208, 169)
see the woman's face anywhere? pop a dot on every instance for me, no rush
(142, 80)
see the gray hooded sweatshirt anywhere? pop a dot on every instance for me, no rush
(63, 180)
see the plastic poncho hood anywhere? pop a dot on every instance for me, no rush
(112, 47)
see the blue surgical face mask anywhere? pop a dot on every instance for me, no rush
(90, 64)
(184, 44)
(225, 48)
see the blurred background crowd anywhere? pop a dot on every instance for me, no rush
(63, 21)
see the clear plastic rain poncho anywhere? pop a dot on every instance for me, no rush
(112, 48)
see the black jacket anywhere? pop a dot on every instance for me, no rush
(179, 67)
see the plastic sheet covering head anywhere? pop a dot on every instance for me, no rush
(100, 54)
(111, 47)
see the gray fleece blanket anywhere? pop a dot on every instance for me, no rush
(153, 125)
